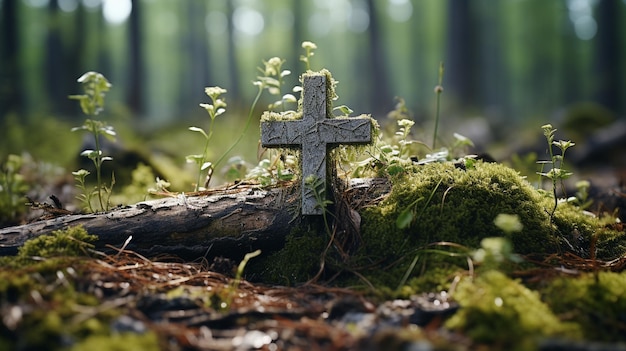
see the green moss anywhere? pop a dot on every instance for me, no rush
(501, 312)
(448, 204)
(119, 342)
(297, 262)
(578, 229)
(597, 302)
(73, 241)
(457, 206)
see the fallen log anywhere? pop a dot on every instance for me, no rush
(228, 222)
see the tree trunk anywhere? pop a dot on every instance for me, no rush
(10, 79)
(135, 98)
(227, 223)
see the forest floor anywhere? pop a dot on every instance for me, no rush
(125, 301)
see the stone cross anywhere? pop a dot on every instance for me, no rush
(315, 134)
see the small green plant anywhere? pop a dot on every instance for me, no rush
(272, 81)
(12, 188)
(92, 103)
(278, 168)
(438, 91)
(408, 215)
(403, 133)
(556, 173)
(216, 108)
(316, 186)
(232, 289)
(308, 53)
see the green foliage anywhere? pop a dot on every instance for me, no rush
(308, 53)
(73, 241)
(216, 108)
(13, 188)
(142, 184)
(232, 289)
(316, 186)
(595, 301)
(92, 103)
(502, 313)
(119, 342)
(581, 232)
(95, 86)
(556, 173)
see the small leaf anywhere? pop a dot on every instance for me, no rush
(206, 165)
(395, 169)
(89, 153)
(199, 130)
(344, 109)
(194, 158)
(75, 129)
(405, 218)
(289, 98)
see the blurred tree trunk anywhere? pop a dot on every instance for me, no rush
(59, 83)
(380, 97)
(135, 72)
(296, 39)
(233, 75)
(462, 47)
(608, 56)
(10, 80)
(195, 52)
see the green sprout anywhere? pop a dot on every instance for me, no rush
(273, 79)
(216, 108)
(403, 133)
(308, 48)
(13, 187)
(556, 173)
(316, 185)
(92, 103)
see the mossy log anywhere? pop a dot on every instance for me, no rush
(214, 223)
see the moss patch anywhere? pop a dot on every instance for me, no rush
(448, 204)
(597, 302)
(501, 312)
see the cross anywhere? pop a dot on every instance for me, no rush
(315, 134)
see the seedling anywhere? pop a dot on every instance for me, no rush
(556, 173)
(12, 188)
(92, 103)
(308, 53)
(216, 108)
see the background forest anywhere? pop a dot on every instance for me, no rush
(508, 64)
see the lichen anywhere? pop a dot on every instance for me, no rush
(504, 314)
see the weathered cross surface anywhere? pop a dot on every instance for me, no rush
(315, 134)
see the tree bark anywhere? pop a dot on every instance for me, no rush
(186, 226)
(227, 223)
